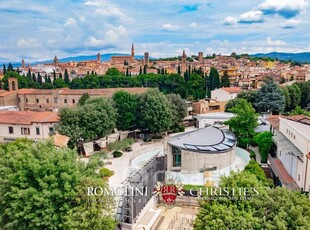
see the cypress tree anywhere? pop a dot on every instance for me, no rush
(140, 72)
(225, 80)
(40, 81)
(67, 80)
(34, 79)
(145, 69)
(179, 69)
(4, 69)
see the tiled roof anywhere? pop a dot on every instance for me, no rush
(232, 89)
(4, 93)
(60, 140)
(27, 117)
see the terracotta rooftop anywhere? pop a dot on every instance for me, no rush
(4, 93)
(107, 92)
(60, 140)
(232, 89)
(27, 117)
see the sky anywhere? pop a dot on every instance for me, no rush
(37, 30)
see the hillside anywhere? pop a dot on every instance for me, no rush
(298, 57)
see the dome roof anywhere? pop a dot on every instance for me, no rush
(208, 139)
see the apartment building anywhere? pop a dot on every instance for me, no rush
(289, 160)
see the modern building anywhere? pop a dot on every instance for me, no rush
(201, 156)
(225, 93)
(209, 119)
(26, 124)
(290, 159)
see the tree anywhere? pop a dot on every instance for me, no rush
(254, 168)
(305, 93)
(244, 123)
(178, 108)
(91, 121)
(270, 98)
(295, 96)
(225, 80)
(33, 77)
(83, 98)
(145, 69)
(67, 80)
(232, 103)
(140, 71)
(10, 67)
(264, 142)
(153, 113)
(40, 81)
(196, 87)
(59, 83)
(179, 69)
(49, 189)
(249, 96)
(214, 79)
(126, 106)
(277, 208)
(299, 111)
(4, 69)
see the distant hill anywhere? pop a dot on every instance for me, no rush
(104, 57)
(299, 57)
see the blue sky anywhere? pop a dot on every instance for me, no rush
(39, 30)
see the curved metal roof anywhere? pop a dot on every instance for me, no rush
(206, 140)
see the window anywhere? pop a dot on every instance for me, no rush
(47, 101)
(55, 100)
(27, 100)
(298, 177)
(37, 100)
(25, 131)
(73, 101)
(37, 130)
(11, 130)
(51, 129)
(19, 100)
(65, 101)
(176, 152)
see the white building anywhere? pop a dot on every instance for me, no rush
(225, 93)
(209, 119)
(290, 162)
(26, 124)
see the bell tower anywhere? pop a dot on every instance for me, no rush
(13, 84)
(132, 51)
(183, 64)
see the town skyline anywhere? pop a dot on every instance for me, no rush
(37, 31)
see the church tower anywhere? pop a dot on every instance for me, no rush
(183, 64)
(132, 51)
(98, 57)
(56, 61)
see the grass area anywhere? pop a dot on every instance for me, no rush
(118, 145)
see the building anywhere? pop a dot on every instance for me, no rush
(52, 99)
(199, 157)
(125, 58)
(26, 124)
(208, 106)
(209, 119)
(225, 93)
(290, 158)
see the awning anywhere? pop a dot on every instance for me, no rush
(279, 171)
(286, 146)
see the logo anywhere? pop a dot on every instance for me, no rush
(169, 190)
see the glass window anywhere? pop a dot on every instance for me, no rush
(11, 130)
(55, 100)
(25, 131)
(37, 130)
(176, 157)
(47, 101)
(73, 101)
(65, 101)
(37, 100)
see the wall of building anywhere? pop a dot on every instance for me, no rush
(5, 136)
(9, 99)
(222, 95)
(192, 162)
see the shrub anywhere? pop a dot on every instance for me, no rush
(157, 137)
(252, 154)
(117, 154)
(147, 139)
(104, 172)
(121, 144)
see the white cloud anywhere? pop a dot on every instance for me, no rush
(28, 43)
(171, 27)
(286, 8)
(230, 21)
(251, 17)
(112, 36)
(193, 25)
(70, 22)
(108, 9)
(291, 23)
(270, 42)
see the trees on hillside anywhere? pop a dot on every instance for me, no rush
(244, 123)
(44, 187)
(270, 98)
(277, 208)
(113, 72)
(91, 121)
(213, 79)
(126, 106)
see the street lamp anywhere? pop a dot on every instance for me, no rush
(80, 144)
